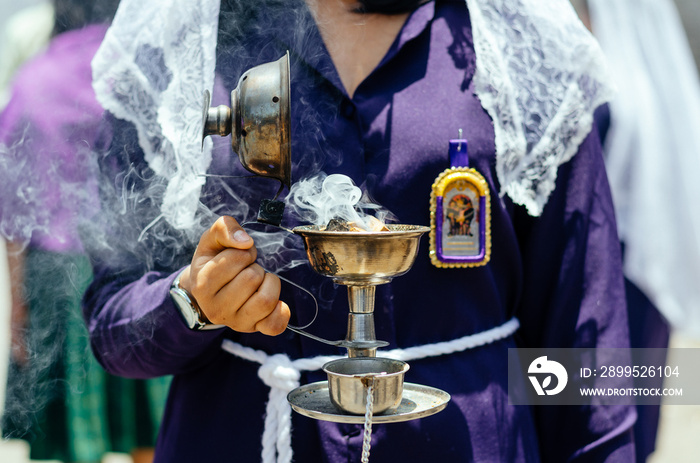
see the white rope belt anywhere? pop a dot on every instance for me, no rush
(281, 375)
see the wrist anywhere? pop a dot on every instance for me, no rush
(191, 312)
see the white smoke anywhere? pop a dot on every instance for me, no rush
(320, 199)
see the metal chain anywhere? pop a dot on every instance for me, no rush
(367, 439)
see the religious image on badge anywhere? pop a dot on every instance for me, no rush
(460, 225)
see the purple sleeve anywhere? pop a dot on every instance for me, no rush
(136, 330)
(134, 326)
(574, 296)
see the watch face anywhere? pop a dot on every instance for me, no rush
(184, 303)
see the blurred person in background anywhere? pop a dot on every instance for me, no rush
(652, 151)
(58, 398)
(689, 11)
(24, 34)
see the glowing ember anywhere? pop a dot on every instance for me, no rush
(372, 224)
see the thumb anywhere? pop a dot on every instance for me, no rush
(223, 234)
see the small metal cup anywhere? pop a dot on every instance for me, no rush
(349, 378)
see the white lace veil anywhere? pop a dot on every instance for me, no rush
(151, 70)
(539, 74)
(653, 151)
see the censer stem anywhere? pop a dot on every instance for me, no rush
(361, 298)
(361, 319)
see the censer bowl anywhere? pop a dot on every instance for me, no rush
(349, 379)
(362, 258)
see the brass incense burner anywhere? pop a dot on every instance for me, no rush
(362, 261)
(258, 120)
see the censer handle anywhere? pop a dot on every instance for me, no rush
(314, 337)
(215, 121)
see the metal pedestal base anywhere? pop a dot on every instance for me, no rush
(313, 400)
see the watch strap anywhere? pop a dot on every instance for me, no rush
(192, 314)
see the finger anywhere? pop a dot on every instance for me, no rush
(224, 233)
(212, 274)
(259, 305)
(228, 306)
(276, 322)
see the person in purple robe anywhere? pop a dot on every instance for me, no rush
(378, 88)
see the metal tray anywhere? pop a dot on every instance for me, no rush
(313, 400)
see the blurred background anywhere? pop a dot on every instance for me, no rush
(57, 403)
(679, 428)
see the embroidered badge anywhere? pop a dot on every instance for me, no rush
(460, 216)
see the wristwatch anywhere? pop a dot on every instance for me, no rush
(191, 313)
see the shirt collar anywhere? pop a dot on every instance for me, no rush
(416, 23)
(312, 51)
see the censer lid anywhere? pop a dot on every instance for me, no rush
(258, 120)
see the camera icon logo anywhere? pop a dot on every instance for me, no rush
(544, 369)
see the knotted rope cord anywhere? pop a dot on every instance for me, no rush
(281, 375)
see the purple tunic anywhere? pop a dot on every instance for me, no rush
(560, 273)
(48, 184)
